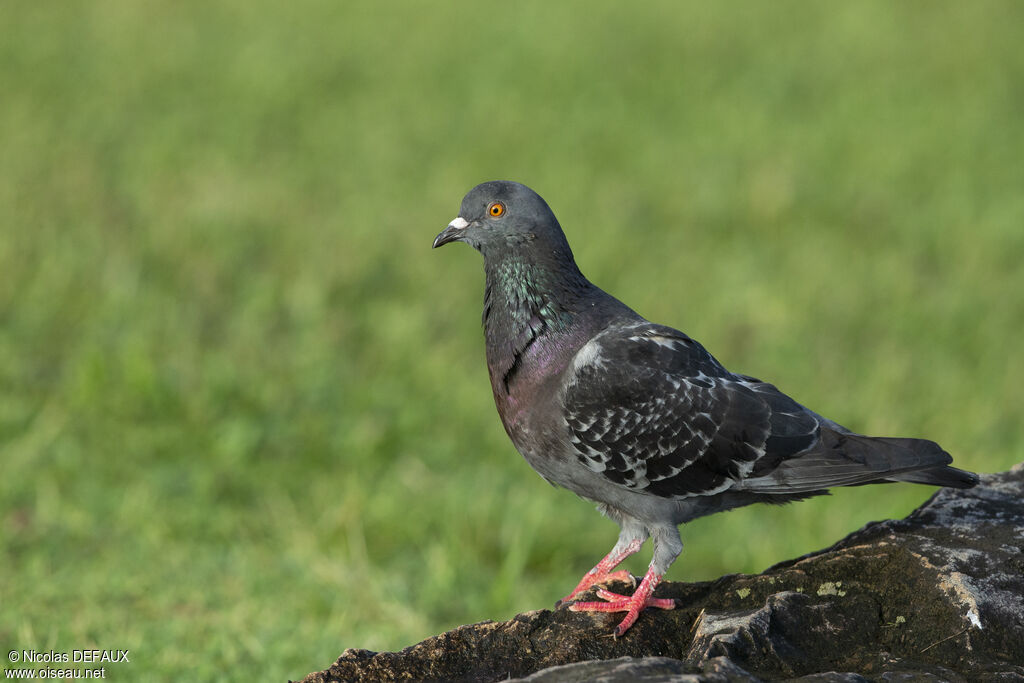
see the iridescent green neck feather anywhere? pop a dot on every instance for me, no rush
(524, 301)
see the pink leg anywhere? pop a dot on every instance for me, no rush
(631, 605)
(603, 573)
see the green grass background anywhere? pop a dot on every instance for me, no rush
(245, 421)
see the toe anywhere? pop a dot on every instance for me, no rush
(617, 606)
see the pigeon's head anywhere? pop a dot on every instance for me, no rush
(501, 217)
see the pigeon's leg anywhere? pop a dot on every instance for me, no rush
(631, 538)
(667, 547)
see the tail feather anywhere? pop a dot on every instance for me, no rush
(847, 459)
(940, 476)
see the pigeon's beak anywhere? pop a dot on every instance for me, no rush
(455, 230)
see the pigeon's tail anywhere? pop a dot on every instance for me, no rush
(940, 476)
(848, 459)
(928, 462)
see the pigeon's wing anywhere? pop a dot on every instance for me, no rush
(650, 409)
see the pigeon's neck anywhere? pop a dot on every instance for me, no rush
(519, 291)
(528, 303)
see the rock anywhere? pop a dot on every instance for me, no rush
(638, 670)
(938, 596)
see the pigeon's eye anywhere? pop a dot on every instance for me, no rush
(496, 209)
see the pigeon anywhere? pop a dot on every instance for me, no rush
(638, 417)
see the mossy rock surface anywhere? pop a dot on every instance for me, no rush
(936, 596)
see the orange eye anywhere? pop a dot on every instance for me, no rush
(496, 209)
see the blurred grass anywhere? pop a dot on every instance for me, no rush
(244, 415)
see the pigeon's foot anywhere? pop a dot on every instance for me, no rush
(603, 573)
(631, 605)
(592, 579)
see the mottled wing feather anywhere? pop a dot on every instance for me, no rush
(652, 410)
